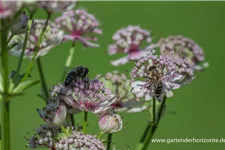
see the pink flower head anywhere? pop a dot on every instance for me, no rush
(57, 6)
(93, 97)
(129, 40)
(184, 48)
(52, 37)
(161, 75)
(78, 25)
(120, 86)
(9, 8)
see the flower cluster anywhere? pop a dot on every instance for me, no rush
(78, 25)
(81, 96)
(52, 37)
(56, 138)
(129, 40)
(57, 6)
(93, 97)
(185, 48)
(162, 74)
(8, 8)
(120, 85)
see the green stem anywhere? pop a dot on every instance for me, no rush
(109, 141)
(155, 125)
(36, 49)
(5, 124)
(23, 49)
(11, 36)
(85, 122)
(144, 135)
(69, 60)
(5, 127)
(42, 77)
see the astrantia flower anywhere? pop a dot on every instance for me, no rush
(129, 40)
(57, 6)
(20, 26)
(120, 85)
(52, 37)
(54, 112)
(185, 48)
(110, 122)
(93, 97)
(64, 139)
(78, 25)
(9, 8)
(162, 74)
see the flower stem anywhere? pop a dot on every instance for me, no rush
(109, 141)
(23, 51)
(36, 48)
(42, 77)
(69, 60)
(5, 127)
(155, 125)
(144, 135)
(85, 122)
(11, 36)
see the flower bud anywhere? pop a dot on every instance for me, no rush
(109, 123)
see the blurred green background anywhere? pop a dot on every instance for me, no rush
(199, 106)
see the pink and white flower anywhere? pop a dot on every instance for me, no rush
(184, 48)
(79, 25)
(110, 122)
(57, 6)
(52, 37)
(129, 40)
(161, 74)
(9, 8)
(93, 97)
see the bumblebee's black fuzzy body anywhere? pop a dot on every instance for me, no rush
(78, 72)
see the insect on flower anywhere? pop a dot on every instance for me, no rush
(161, 74)
(76, 73)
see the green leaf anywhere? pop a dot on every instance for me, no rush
(23, 86)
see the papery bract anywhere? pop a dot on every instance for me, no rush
(79, 25)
